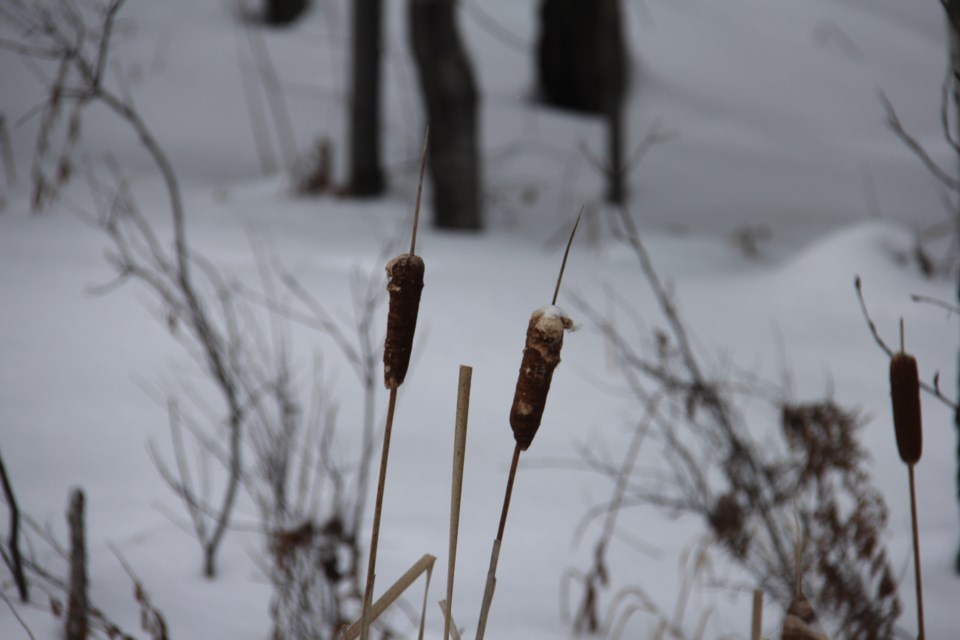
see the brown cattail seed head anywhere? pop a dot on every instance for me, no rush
(905, 394)
(541, 355)
(404, 283)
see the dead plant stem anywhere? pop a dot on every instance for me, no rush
(377, 510)
(916, 552)
(495, 554)
(509, 492)
(459, 454)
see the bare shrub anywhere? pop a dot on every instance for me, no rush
(750, 490)
(310, 507)
(60, 572)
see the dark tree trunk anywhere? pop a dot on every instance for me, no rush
(366, 174)
(581, 61)
(582, 65)
(612, 58)
(283, 12)
(451, 98)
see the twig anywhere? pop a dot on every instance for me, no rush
(13, 542)
(258, 125)
(276, 102)
(893, 121)
(936, 302)
(16, 615)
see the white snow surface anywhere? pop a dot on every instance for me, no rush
(779, 128)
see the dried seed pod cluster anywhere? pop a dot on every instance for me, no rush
(541, 355)
(905, 395)
(404, 283)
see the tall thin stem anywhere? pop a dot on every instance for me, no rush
(916, 553)
(416, 207)
(566, 254)
(509, 492)
(495, 554)
(377, 509)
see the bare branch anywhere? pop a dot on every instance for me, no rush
(14, 561)
(893, 121)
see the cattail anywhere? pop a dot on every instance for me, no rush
(404, 282)
(905, 394)
(541, 355)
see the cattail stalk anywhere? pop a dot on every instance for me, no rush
(916, 553)
(404, 283)
(908, 428)
(495, 553)
(541, 355)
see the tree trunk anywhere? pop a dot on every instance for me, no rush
(612, 57)
(451, 98)
(581, 60)
(582, 65)
(366, 174)
(77, 605)
(284, 12)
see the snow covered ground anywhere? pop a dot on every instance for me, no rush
(779, 126)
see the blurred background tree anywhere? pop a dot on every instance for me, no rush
(366, 169)
(451, 99)
(283, 12)
(582, 65)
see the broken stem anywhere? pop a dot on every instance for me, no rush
(459, 454)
